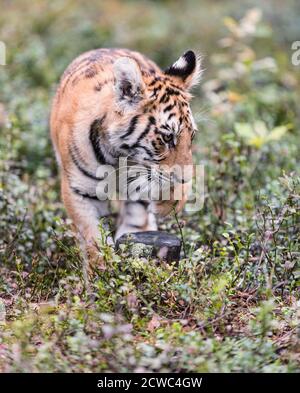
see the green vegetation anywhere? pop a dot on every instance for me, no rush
(233, 303)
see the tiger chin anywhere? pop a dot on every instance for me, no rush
(114, 103)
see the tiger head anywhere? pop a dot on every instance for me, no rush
(153, 124)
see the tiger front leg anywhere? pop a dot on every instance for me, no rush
(86, 213)
(135, 216)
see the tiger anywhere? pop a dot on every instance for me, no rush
(113, 103)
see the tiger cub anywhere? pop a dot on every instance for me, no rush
(114, 103)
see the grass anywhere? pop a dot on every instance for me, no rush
(232, 303)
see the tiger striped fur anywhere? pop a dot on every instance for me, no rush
(115, 103)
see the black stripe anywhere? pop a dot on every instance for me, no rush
(125, 146)
(177, 88)
(90, 72)
(155, 146)
(171, 115)
(152, 120)
(155, 90)
(131, 127)
(153, 82)
(168, 108)
(165, 127)
(164, 98)
(95, 132)
(79, 167)
(83, 194)
(143, 147)
(145, 204)
(145, 132)
(158, 160)
(172, 91)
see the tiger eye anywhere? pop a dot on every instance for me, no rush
(167, 138)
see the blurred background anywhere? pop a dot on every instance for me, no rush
(246, 237)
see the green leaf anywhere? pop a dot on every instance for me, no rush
(277, 133)
(257, 134)
(244, 130)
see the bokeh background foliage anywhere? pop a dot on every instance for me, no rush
(232, 303)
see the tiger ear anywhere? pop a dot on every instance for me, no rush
(187, 69)
(129, 84)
